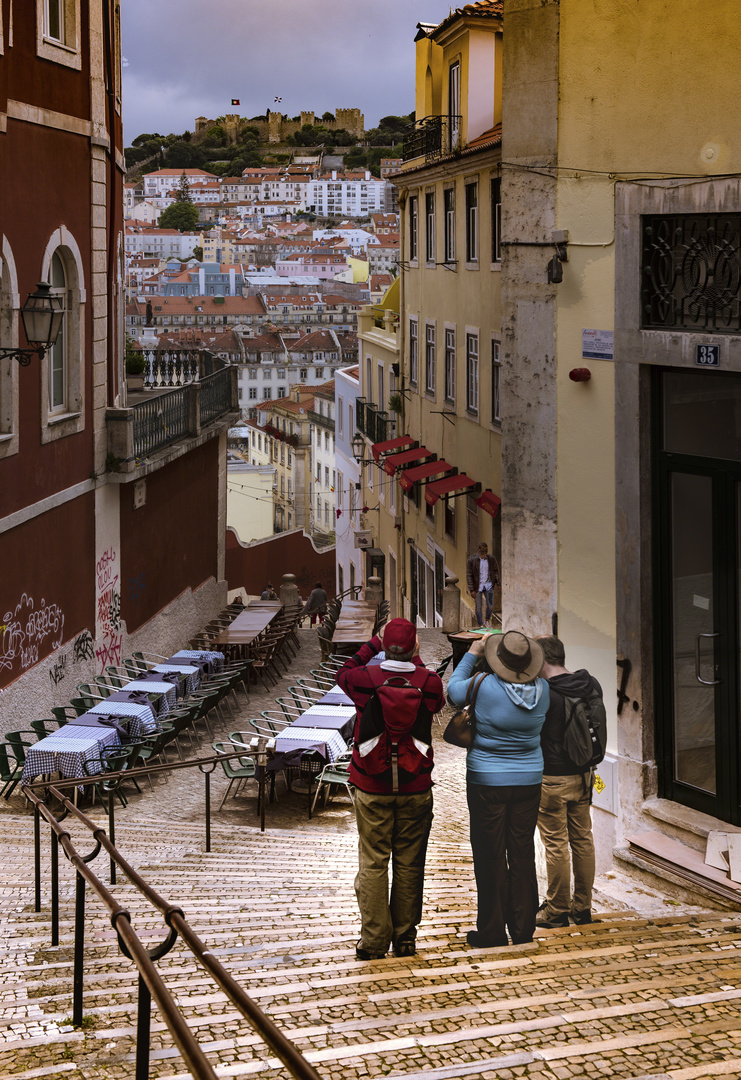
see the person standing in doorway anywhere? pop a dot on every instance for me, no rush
(565, 818)
(482, 575)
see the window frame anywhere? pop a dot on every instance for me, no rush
(472, 223)
(449, 375)
(66, 49)
(413, 228)
(430, 358)
(449, 230)
(473, 373)
(9, 368)
(496, 382)
(414, 350)
(68, 419)
(430, 228)
(495, 193)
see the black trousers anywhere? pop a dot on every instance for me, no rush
(503, 821)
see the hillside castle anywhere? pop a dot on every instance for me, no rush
(275, 128)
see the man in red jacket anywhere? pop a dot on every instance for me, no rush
(393, 808)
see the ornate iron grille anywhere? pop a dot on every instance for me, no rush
(160, 421)
(360, 413)
(216, 395)
(691, 272)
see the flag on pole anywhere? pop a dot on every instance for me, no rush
(235, 101)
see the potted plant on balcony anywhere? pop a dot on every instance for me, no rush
(135, 366)
(395, 403)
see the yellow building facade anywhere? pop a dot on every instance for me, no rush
(442, 475)
(621, 459)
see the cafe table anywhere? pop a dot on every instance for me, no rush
(140, 719)
(209, 660)
(461, 642)
(247, 626)
(68, 751)
(327, 717)
(191, 675)
(334, 696)
(164, 693)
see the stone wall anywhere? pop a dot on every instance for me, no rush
(275, 129)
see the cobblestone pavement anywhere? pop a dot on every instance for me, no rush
(648, 993)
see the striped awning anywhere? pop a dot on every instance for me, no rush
(422, 472)
(391, 446)
(450, 487)
(393, 461)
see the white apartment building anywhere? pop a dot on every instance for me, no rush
(160, 243)
(341, 196)
(349, 558)
(159, 183)
(323, 464)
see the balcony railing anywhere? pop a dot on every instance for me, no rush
(371, 421)
(432, 137)
(163, 419)
(177, 367)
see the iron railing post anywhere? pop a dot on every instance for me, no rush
(143, 1022)
(79, 950)
(208, 810)
(112, 834)
(37, 857)
(54, 889)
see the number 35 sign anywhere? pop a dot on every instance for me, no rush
(707, 355)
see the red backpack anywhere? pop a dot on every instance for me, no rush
(394, 733)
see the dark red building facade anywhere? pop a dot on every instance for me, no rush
(101, 550)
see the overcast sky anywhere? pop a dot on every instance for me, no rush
(188, 58)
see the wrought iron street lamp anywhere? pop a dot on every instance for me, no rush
(358, 450)
(42, 315)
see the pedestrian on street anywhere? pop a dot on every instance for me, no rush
(316, 606)
(565, 818)
(504, 768)
(393, 807)
(268, 593)
(482, 575)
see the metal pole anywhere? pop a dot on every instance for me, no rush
(54, 889)
(37, 855)
(142, 1031)
(112, 834)
(262, 759)
(208, 811)
(79, 950)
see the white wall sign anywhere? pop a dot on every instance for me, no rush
(597, 345)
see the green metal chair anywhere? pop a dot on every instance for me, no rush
(245, 770)
(334, 774)
(10, 771)
(65, 714)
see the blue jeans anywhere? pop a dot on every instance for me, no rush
(484, 597)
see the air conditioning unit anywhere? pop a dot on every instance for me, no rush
(364, 539)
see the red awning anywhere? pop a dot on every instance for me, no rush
(392, 444)
(450, 487)
(393, 461)
(420, 472)
(490, 502)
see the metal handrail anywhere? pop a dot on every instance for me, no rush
(151, 985)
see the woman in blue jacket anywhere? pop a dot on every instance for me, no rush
(504, 770)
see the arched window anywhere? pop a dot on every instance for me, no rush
(57, 356)
(8, 365)
(63, 366)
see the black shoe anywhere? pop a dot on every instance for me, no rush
(478, 941)
(551, 922)
(405, 948)
(581, 917)
(368, 954)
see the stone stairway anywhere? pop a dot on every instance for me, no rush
(624, 997)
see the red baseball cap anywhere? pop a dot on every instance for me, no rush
(399, 637)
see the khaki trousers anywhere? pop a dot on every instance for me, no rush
(565, 825)
(394, 827)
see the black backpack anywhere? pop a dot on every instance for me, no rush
(394, 734)
(585, 732)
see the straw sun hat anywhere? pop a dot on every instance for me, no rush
(513, 656)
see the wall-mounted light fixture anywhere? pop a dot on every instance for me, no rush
(358, 451)
(42, 316)
(580, 374)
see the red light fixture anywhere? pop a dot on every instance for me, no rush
(580, 374)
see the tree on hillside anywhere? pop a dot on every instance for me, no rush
(182, 216)
(183, 192)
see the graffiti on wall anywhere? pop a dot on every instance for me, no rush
(83, 648)
(110, 641)
(137, 587)
(27, 629)
(58, 670)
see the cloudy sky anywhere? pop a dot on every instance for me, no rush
(187, 58)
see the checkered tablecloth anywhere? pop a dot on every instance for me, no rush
(329, 744)
(335, 696)
(214, 658)
(335, 717)
(142, 720)
(192, 674)
(66, 751)
(150, 686)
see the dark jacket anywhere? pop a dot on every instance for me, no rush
(472, 572)
(574, 684)
(359, 683)
(317, 601)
